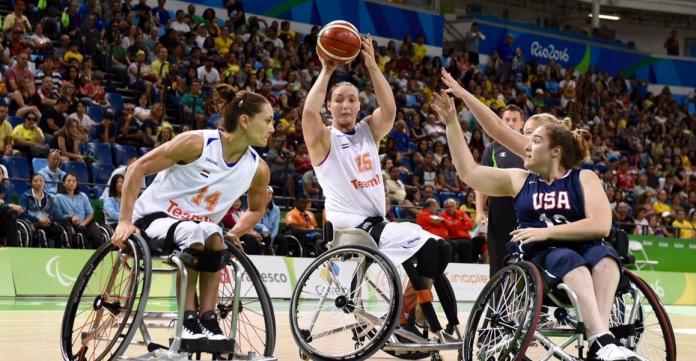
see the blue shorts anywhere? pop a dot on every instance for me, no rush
(556, 261)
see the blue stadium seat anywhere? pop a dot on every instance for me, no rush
(80, 170)
(123, 152)
(101, 172)
(15, 121)
(17, 167)
(38, 164)
(102, 152)
(96, 113)
(17, 188)
(115, 101)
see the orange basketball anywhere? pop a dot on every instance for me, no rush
(338, 42)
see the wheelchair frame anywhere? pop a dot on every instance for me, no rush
(627, 329)
(178, 349)
(357, 240)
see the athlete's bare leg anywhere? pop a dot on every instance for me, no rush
(605, 278)
(581, 282)
(210, 281)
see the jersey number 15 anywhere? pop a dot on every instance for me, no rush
(364, 162)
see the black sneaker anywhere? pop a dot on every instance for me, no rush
(211, 328)
(192, 327)
(606, 348)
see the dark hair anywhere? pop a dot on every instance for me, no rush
(335, 86)
(300, 201)
(574, 144)
(514, 108)
(112, 185)
(61, 187)
(237, 104)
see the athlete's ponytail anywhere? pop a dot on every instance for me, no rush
(574, 144)
(234, 104)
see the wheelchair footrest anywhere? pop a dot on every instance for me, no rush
(422, 347)
(205, 345)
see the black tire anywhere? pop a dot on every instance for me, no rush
(24, 233)
(379, 334)
(669, 352)
(295, 248)
(247, 337)
(529, 310)
(136, 292)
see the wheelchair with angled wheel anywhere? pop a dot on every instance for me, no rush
(347, 305)
(517, 318)
(109, 304)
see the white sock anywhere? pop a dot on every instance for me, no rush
(592, 338)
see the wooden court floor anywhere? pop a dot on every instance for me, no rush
(29, 330)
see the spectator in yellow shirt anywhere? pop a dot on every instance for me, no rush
(224, 41)
(160, 67)
(661, 206)
(29, 139)
(419, 50)
(682, 227)
(5, 131)
(73, 54)
(17, 18)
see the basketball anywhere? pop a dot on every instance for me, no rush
(339, 42)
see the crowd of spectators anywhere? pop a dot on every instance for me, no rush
(62, 61)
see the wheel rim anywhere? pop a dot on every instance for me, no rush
(252, 333)
(344, 304)
(107, 291)
(649, 339)
(498, 322)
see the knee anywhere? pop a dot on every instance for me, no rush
(606, 267)
(214, 243)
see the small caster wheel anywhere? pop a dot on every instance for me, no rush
(303, 356)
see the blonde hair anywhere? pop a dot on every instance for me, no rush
(547, 118)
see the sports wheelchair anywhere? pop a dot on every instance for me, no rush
(347, 305)
(107, 306)
(516, 318)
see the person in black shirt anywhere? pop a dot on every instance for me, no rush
(501, 211)
(235, 11)
(53, 118)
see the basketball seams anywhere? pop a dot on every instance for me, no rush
(326, 50)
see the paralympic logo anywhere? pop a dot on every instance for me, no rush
(53, 270)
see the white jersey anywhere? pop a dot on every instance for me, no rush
(351, 178)
(202, 190)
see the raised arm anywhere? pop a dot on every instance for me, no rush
(382, 119)
(315, 133)
(185, 147)
(491, 123)
(491, 181)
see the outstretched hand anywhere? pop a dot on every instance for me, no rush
(453, 86)
(443, 104)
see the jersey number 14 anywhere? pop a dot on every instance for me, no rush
(210, 199)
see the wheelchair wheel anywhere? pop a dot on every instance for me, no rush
(24, 233)
(505, 315)
(640, 322)
(256, 327)
(346, 304)
(107, 302)
(295, 248)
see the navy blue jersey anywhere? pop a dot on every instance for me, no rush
(539, 204)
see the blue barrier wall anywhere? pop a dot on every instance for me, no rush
(545, 45)
(368, 17)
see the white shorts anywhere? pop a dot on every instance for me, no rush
(401, 241)
(186, 233)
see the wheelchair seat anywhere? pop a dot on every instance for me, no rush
(347, 237)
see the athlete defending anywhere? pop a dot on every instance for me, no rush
(199, 175)
(346, 161)
(563, 216)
